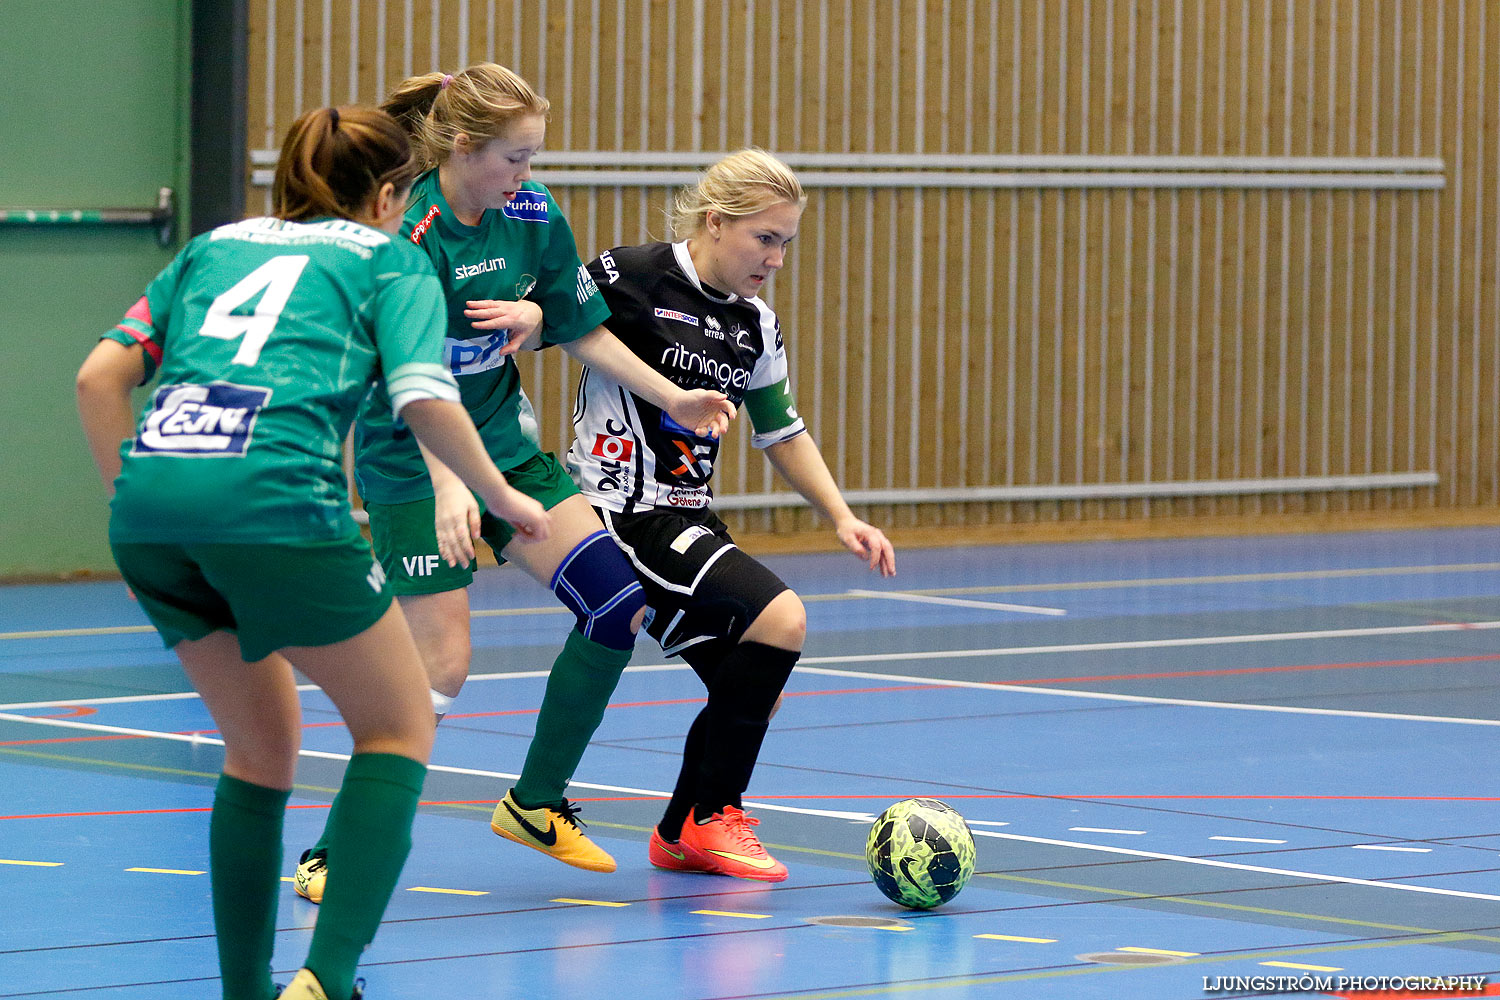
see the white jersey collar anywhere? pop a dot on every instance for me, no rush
(685, 261)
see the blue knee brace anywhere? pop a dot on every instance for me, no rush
(596, 583)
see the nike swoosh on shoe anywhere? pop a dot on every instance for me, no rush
(761, 863)
(548, 838)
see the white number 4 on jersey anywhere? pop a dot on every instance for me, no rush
(277, 276)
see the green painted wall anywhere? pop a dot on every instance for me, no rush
(94, 115)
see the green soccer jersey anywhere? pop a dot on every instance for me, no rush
(267, 335)
(523, 250)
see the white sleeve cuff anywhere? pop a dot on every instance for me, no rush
(779, 435)
(420, 381)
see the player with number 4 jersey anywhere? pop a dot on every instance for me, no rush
(230, 517)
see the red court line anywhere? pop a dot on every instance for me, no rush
(150, 812)
(928, 794)
(1490, 990)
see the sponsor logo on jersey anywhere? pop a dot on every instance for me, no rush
(613, 448)
(524, 286)
(462, 271)
(201, 420)
(420, 229)
(470, 357)
(699, 363)
(608, 263)
(688, 498)
(712, 328)
(696, 465)
(685, 541)
(526, 206)
(586, 287)
(680, 317)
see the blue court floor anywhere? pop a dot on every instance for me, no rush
(1187, 764)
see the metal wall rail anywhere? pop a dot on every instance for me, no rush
(882, 170)
(1093, 491)
(163, 216)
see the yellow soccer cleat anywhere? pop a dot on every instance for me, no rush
(305, 986)
(554, 832)
(312, 873)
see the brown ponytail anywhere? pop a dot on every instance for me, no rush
(335, 159)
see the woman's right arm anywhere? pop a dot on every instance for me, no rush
(103, 388)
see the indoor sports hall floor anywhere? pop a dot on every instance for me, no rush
(1182, 760)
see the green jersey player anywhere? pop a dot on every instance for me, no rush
(230, 524)
(511, 275)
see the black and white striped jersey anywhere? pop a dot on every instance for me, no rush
(629, 455)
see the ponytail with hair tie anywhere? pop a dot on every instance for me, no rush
(447, 79)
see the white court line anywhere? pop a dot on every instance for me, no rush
(1129, 698)
(1234, 866)
(1103, 829)
(805, 666)
(896, 595)
(803, 811)
(1248, 840)
(1385, 847)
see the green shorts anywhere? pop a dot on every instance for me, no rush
(270, 596)
(405, 536)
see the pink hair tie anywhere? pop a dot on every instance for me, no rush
(447, 79)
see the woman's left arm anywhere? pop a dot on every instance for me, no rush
(801, 463)
(706, 411)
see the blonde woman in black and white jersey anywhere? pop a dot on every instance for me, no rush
(691, 309)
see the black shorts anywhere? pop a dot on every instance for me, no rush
(698, 583)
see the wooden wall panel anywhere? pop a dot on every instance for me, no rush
(946, 336)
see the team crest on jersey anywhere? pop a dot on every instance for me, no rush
(482, 354)
(674, 314)
(526, 206)
(201, 420)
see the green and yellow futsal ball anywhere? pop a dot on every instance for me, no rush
(920, 853)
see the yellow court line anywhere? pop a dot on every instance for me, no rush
(449, 892)
(166, 871)
(728, 913)
(1160, 951)
(33, 864)
(1304, 968)
(1023, 940)
(589, 902)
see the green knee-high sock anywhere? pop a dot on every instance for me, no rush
(244, 848)
(369, 836)
(583, 677)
